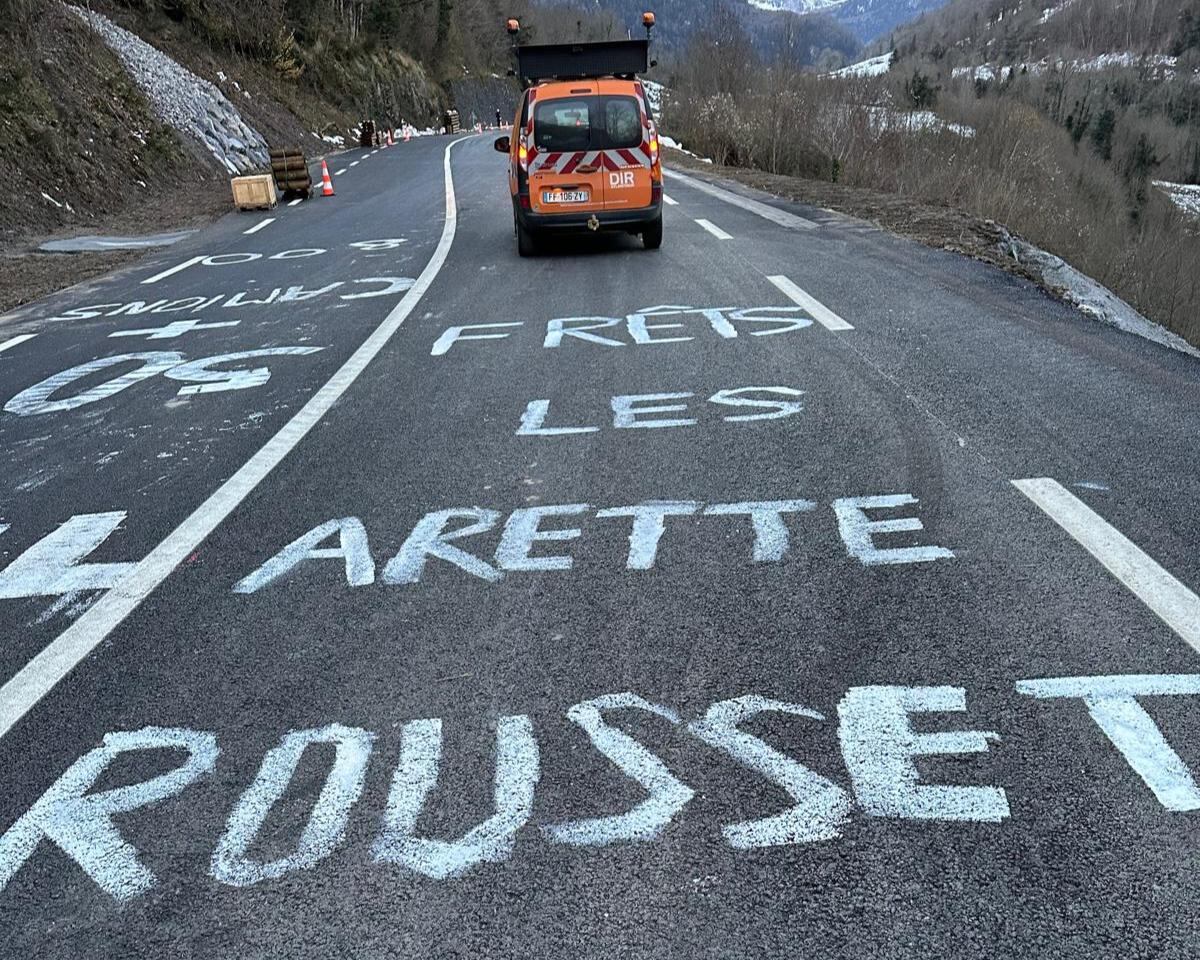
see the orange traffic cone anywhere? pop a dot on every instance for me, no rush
(326, 182)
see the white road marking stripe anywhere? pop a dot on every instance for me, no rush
(294, 202)
(714, 230)
(340, 172)
(669, 202)
(356, 163)
(175, 269)
(816, 309)
(1155, 587)
(775, 215)
(258, 226)
(43, 672)
(16, 341)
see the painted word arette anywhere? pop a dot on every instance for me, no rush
(878, 743)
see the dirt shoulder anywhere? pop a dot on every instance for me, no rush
(942, 228)
(27, 274)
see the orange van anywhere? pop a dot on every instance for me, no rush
(584, 152)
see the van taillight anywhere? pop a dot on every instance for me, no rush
(523, 156)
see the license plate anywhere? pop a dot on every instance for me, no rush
(565, 196)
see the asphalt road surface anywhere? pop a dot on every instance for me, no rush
(792, 591)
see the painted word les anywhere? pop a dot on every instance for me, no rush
(644, 410)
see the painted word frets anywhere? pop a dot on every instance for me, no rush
(878, 740)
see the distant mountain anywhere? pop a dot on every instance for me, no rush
(865, 19)
(870, 19)
(794, 28)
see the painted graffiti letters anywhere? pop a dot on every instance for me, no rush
(199, 374)
(448, 536)
(637, 411)
(877, 744)
(646, 326)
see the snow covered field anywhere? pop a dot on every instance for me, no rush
(876, 66)
(1186, 196)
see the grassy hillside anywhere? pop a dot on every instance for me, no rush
(1061, 147)
(84, 146)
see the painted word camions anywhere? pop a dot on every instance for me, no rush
(280, 296)
(878, 740)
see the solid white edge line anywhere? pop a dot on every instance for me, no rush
(16, 341)
(258, 226)
(670, 202)
(816, 309)
(764, 210)
(714, 230)
(52, 664)
(173, 270)
(1174, 603)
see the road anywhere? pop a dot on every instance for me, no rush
(794, 591)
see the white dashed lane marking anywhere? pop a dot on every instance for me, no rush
(171, 271)
(258, 226)
(340, 172)
(714, 230)
(767, 212)
(44, 671)
(1155, 587)
(670, 202)
(819, 312)
(296, 201)
(16, 341)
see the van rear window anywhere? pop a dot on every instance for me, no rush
(587, 123)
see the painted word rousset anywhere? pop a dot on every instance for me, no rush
(878, 739)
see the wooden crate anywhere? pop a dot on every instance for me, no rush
(254, 193)
(290, 169)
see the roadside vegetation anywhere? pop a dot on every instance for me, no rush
(983, 111)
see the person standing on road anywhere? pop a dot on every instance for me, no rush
(498, 118)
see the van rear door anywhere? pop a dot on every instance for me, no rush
(566, 173)
(622, 131)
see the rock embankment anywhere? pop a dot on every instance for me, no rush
(193, 106)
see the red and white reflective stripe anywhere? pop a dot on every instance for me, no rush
(567, 162)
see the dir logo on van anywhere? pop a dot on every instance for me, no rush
(621, 178)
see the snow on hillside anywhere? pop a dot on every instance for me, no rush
(797, 6)
(866, 68)
(1105, 61)
(1186, 196)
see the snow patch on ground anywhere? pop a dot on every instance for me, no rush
(676, 145)
(876, 66)
(1106, 61)
(654, 97)
(193, 106)
(1092, 298)
(915, 121)
(1186, 196)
